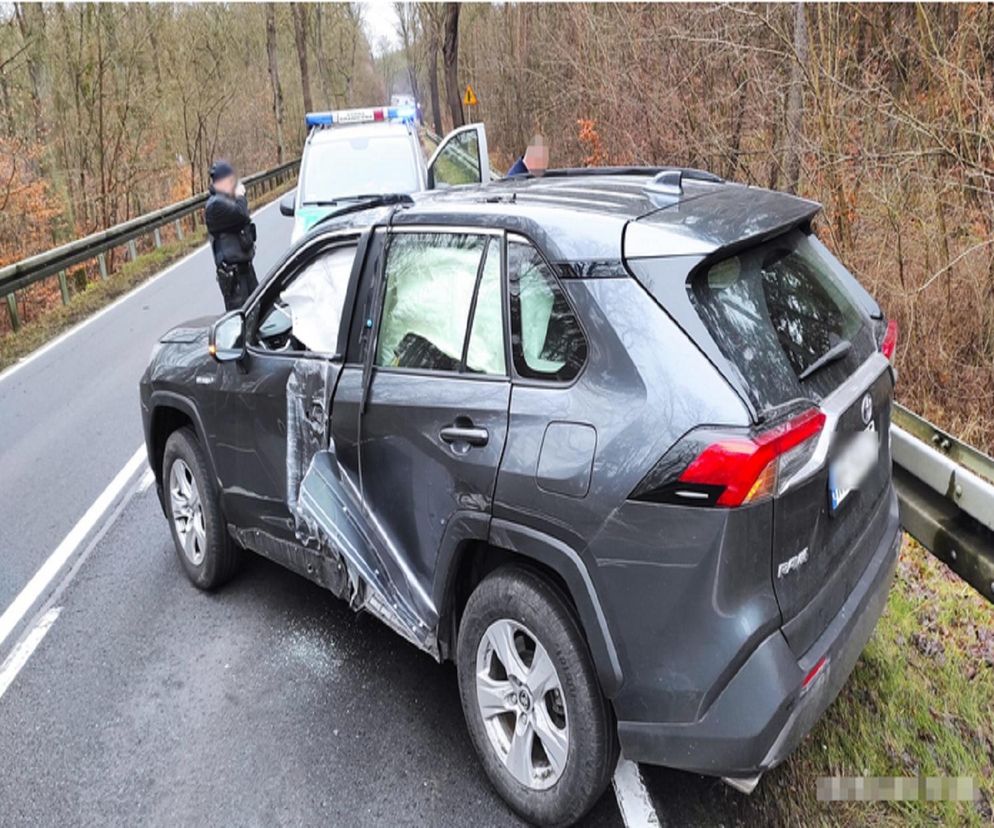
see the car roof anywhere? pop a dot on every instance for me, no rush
(374, 129)
(603, 215)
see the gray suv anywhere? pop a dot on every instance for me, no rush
(614, 441)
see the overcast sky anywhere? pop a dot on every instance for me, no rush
(380, 20)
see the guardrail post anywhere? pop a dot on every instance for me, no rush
(132, 249)
(179, 229)
(15, 319)
(157, 236)
(102, 261)
(64, 287)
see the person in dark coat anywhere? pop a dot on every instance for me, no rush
(232, 234)
(535, 161)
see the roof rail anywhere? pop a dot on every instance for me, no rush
(689, 173)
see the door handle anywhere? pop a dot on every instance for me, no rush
(465, 434)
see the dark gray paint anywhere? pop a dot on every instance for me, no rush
(678, 603)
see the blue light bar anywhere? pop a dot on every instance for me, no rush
(403, 114)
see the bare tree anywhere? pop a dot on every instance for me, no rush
(300, 40)
(274, 78)
(795, 100)
(450, 57)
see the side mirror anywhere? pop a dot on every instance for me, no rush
(227, 339)
(286, 204)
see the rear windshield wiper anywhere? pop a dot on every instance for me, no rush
(833, 354)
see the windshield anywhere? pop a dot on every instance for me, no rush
(346, 167)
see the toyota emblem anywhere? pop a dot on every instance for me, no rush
(866, 409)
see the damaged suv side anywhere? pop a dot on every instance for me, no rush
(610, 440)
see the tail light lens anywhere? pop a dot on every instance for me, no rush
(889, 343)
(714, 468)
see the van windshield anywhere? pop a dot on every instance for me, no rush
(344, 166)
(781, 315)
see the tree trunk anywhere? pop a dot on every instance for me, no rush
(31, 22)
(274, 78)
(300, 38)
(450, 59)
(795, 100)
(436, 105)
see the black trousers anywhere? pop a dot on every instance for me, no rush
(237, 283)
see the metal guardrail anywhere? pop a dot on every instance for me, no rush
(19, 275)
(946, 493)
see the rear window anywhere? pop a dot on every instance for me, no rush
(775, 311)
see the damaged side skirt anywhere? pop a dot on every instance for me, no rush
(332, 521)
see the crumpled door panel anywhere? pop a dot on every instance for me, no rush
(329, 512)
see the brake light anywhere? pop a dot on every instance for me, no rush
(731, 469)
(889, 343)
(748, 468)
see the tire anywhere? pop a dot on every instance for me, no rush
(208, 555)
(567, 713)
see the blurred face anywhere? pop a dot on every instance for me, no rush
(537, 156)
(226, 185)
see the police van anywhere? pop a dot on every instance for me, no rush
(354, 153)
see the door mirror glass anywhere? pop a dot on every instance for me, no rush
(227, 338)
(460, 159)
(287, 204)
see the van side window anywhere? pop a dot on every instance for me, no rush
(546, 339)
(431, 280)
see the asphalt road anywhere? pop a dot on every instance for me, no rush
(149, 702)
(69, 416)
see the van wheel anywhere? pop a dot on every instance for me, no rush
(531, 699)
(208, 555)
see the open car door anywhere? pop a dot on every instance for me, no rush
(461, 158)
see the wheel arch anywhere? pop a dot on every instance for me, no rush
(474, 545)
(170, 412)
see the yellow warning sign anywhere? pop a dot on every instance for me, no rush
(470, 97)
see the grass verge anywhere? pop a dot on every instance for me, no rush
(14, 346)
(919, 703)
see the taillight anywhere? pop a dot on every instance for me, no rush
(889, 343)
(711, 468)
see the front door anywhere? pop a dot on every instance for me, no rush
(435, 418)
(292, 330)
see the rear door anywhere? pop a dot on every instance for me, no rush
(435, 417)
(461, 158)
(796, 336)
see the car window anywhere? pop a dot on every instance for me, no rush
(485, 354)
(546, 339)
(307, 313)
(430, 282)
(345, 166)
(458, 162)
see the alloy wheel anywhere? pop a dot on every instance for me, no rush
(188, 512)
(521, 700)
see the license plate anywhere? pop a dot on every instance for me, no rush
(852, 465)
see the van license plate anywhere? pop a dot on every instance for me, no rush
(851, 466)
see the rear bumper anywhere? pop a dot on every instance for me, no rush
(762, 713)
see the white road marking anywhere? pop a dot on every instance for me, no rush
(48, 346)
(46, 574)
(147, 480)
(633, 799)
(22, 652)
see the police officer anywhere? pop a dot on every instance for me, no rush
(232, 235)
